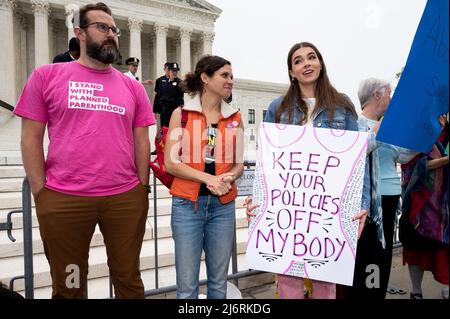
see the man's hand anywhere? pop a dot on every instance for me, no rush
(147, 82)
(36, 189)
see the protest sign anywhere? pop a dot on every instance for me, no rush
(411, 120)
(245, 182)
(308, 185)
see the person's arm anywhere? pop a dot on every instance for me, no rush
(437, 163)
(154, 97)
(403, 155)
(32, 147)
(372, 143)
(272, 109)
(147, 82)
(238, 167)
(142, 153)
(175, 167)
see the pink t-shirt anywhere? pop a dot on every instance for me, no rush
(90, 115)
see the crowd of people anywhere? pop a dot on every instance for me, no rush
(97, 173)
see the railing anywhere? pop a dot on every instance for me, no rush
(6, 106)
(28, 246)
(27, 240)
(234, 264)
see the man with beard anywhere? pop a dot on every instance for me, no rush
(96, 170)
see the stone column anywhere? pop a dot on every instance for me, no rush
(196, 49)
(161, 46)
(22, 56)
(23, 50)
(70, 10)
(7, 55)
(177, 51)
(135, 26)
(41, 10)
(155, 72)
(53, 38)
(185, 39)
(207, 39)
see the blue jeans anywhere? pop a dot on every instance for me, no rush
(209, 227)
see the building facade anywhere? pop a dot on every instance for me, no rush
(33, 32)
(155, 31)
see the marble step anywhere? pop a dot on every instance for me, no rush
(14, 184)
(13, 201)
(18, 171)
(98, 288)
(10, 158)
(12, 171)
(12, 249)
(13, 266)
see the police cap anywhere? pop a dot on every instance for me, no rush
(132, 60)
(173, 66)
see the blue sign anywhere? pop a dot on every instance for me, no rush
(411, 120)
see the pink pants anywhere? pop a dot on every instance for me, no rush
(290, 287)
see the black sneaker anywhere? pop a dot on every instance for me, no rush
(415, 296)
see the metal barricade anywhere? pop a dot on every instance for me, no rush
(28, 252)
(28, 275)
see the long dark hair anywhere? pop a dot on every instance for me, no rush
(326, 95)
(208, 64)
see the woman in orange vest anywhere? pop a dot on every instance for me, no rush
(206, 157)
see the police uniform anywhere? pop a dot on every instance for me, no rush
(74, 46)
(170, 96)
(131, 60)
(160, 82)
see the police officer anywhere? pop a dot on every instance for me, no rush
(170, 96)
(160, 82)
(72, 54)
(133, 64)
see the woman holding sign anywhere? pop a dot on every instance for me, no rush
(311, 100)
(205, 164)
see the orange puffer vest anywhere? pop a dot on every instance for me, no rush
(194, 143)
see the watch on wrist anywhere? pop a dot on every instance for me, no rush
(147, 187)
